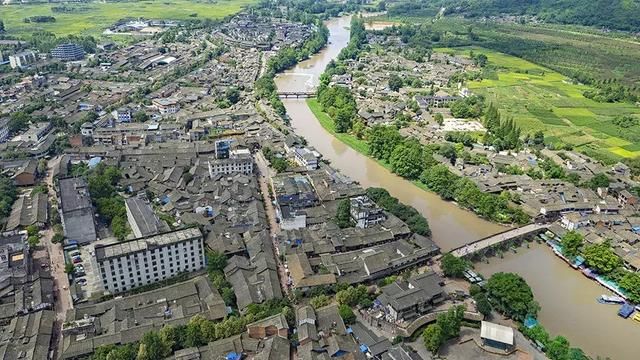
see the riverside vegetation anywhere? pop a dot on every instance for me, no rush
(405, 156)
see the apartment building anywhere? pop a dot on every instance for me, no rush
(68, 52)
(129, 264)
(22, 59)
(306, 157)
(239, 161)
(122, 114)
(4, 130)
(166, 106)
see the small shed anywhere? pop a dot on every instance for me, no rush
(497, 336)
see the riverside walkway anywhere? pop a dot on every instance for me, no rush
(489, 241)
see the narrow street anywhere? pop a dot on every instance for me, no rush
(264, 174)
(56, 265)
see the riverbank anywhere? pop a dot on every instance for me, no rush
(568, 302)
(353, 142)
(327, 123)
(362, 147)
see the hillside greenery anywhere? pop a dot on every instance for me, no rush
(620, 14)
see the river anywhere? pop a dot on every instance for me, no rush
(568, 302)
(566, 297)
(451, 226)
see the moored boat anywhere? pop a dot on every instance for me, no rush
(626, 310)
(610, 299)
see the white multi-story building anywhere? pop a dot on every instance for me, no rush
(239, 161)
(22, 59)
(129, 264)
(166, 106)
(306, 157)
(122, 114)
(86, 129)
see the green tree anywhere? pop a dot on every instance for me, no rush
(18, 121)
(383, 140)
(598, 181)
(343, 120)
(33, 240)
(406, 159)
(320, 301)
(279, 164)
(571, 243)
(232, 94)
(440, 180)
(152, 347)
(577, 354)
(439, 118)
(358, 129)
(195, 334)
(453, 266)
(433, 337)
(483, 305)
(140, 116)
(558, 348)
(216, 261)
(451, 321)
(343, 214)
(57, 238)
(601, 258)
(69, 268)
(120, 227)
(395, 82)
(630, 283)
(170, 336)
(346, 314)
(511, 295)
(352, 296)
(32, 230)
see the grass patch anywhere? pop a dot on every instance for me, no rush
(359, 145)
(632, 147)
(95, 17)
(546, 116)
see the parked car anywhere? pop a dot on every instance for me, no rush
(81, 282)
(77, 260)
(75, 253)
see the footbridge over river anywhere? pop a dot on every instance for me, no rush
(499, 239)
(296, 94)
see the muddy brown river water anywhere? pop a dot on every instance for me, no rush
(568, 299)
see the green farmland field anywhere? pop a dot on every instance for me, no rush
(542, 99)
(93, 17)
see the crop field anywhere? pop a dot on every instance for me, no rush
(94, 17)
(541, 99)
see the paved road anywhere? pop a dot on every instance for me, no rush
(56, 257)
(496, 239)
(264, 174)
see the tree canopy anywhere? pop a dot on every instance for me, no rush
(453, 266)
(343, 214)
(511, 295)
(571, 243)
(601, 258)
